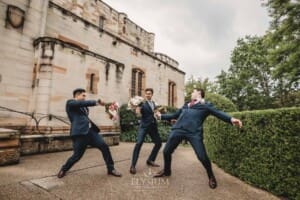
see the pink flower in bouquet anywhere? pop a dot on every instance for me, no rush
(135, 102)
(113, 110)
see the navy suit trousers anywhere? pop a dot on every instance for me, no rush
(142, 132)
(80, 143)
(195, 139)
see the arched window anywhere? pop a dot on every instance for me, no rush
(137, 82)
(172, 94)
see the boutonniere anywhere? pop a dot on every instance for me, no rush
(202, 101)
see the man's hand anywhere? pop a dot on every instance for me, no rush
(138, 111)
(236, 122)
(157, 115)
(173, 121)
(100, 102)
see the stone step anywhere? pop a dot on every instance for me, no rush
(9, 146)
(44, 143)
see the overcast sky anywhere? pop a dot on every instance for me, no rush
(199, 34)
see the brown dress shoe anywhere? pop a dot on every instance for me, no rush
(212, 182)
(152, 164)
(161, 174)
(114, 173)
(132, 170)
(61, 174)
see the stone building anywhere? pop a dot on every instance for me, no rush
(50, 47)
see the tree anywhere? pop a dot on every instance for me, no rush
(248, 82)
(265, 71)
(284, 52)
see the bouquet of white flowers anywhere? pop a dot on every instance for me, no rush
(135, 102)
(112, 109)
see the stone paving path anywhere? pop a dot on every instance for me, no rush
(35, 178)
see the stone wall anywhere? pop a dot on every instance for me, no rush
(100, 13)
(56, 47)
(17, 58)
(41, 143)
(157, 73)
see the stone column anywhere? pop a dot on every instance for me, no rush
(44, 54)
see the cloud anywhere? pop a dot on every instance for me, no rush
(199, 34)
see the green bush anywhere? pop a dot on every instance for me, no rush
(129, 125)
(265, 152)
(221, 102)
(128, 119)
(171, 109)
(131, 135)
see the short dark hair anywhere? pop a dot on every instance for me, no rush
(78, 91)
(149, 89)
(202, 92)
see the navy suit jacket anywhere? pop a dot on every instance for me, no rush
(191, 119)
(78, 115)
(147, 115)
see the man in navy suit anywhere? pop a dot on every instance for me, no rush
(189, 126)
(85, 132)
(148, 125)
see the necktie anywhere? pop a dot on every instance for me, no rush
(192, 103)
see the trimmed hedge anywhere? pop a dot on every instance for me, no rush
(221, 102)
(264, 153)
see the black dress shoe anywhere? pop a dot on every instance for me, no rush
(114, 173)
(212, 182)
(152, 164)
(61, 174)
(161, 173)
(132, 170)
